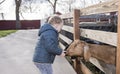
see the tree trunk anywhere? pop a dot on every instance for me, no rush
(31, 6)
(18, 3)
(53, 5)
(54, 10)
(2, 15)
(69, 7)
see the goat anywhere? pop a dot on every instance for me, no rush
(103, 53)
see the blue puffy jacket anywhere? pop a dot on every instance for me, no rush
(47, 45)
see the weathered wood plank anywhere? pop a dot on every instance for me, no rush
(66, 39)
(76, 35)
(76, 24)
(106, 68)
(96, 63)
(85, 69)
(61, 46)
(106, 24)
(110, 6)
(118, 44)
(67, 28)
(102, 36)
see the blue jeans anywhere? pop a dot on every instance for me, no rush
(44, 68)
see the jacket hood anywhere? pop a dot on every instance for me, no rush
(46, 27)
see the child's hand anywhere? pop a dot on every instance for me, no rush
(62, 54)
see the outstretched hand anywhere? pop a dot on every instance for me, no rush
(62, 54)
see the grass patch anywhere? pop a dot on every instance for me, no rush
(4, 33)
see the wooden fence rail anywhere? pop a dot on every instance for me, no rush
(106, 7)
(102, 36)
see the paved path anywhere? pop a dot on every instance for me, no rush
(16, 52)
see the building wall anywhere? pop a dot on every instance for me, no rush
(25, 24)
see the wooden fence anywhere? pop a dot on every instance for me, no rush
(110, 38)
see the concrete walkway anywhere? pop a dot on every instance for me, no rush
(16, 52)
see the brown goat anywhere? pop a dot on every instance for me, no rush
(103, 53)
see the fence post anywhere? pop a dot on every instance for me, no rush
(118, 43)
(76, 35)
(76, 24)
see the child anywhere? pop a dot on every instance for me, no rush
(47, 46)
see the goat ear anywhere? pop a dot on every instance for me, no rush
(87, 54)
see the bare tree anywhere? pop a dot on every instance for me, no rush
(28, 4)
(66, 5)
(53, 4)
(31, 5)
(84, 2)
(2, 1)
(18, 3)
(2, 14)
(69, 2)
(22, 15)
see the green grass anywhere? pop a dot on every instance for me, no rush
(4, 33)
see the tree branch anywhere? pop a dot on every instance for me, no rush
(22, 15)
(2, 1)
(2, 15)
(51, 3)
(31, 6)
